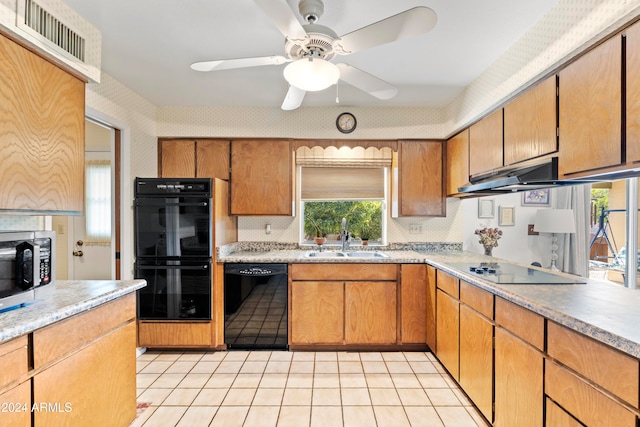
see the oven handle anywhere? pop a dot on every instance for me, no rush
(153, 202)
(169, 267)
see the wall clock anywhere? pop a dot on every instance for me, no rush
(346, 122)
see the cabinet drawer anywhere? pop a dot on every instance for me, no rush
(332, 271)
(448, 284)
(520, 321)
(614, 371)
(583, 401)
(53, 342)
(476, 298)
(14, 359)
(175, 334)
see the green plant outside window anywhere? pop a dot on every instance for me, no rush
(324, 218)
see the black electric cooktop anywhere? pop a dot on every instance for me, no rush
(505, 273)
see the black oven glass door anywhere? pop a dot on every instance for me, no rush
(173, 227)
(176, 290)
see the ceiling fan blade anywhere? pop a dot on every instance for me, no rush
(409, 23)
(227, 64)
(283, 18)
(366, 82)
(293, 99)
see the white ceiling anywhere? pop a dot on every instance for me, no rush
(148, 46)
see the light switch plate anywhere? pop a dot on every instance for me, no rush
(415, 228)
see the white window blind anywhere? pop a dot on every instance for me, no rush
(98, 202)
(336, 183)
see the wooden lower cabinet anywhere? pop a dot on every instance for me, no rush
(583, 401)
(413, 295)
(447, 332)
(370, 312)
(16, 406)
(518, 382)
(317, 312)
(431, 308)
(476, 359)
(95, 386)
(555, 416)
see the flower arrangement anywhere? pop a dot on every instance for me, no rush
(489, 238)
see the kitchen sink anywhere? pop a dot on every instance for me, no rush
(366, 254)
(347, 254)
(324, 254)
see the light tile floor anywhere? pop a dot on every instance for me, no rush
(301, 389)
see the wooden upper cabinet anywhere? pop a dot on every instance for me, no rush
(177, 159)
(633, 93)
(42, 125)
(590, 110)
(187, 158)
(212, 158)
(530, 128)
(485, 144)
(457, 162)
(421, 181)
(261, 177)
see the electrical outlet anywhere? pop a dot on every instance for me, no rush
(415, 228)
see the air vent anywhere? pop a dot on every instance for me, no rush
(49, 27)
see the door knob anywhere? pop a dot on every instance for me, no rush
(78, 253)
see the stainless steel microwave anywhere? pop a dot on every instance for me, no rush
(27, 266)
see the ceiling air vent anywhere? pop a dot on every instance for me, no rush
(52, 29)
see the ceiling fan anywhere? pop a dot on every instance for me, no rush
(309, 49)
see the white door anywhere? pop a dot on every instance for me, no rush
(90, 260)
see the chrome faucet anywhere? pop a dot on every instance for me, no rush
(344, 236)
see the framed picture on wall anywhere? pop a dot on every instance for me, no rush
(507, 215)
(538, 197)
(485, 208)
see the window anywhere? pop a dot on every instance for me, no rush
(98, 201)
(329, 194)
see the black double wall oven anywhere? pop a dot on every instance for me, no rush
(173, 248)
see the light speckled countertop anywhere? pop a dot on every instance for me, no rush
(607, 312)
(66, 298)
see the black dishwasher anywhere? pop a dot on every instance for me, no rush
(255, 306)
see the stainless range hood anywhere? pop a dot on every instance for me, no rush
(540, 173)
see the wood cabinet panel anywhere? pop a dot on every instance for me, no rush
(261, 181)
(476, 298)
(448, 284)
(317, 312)
(431, 308)
(41, 130)
(520, 321)
(518, 382)
(476, 359)
(61, 338)
(370, 312)
(177, 159)
(225, 225)
(212, 158)
(335, 271)
(176, 334)
(448, 332)
(557, 417)
(413, 293)
(583, 401)
(614, 371)
(457, 165)
(14, 359)
(590, 110)
(421, 178)
(97, 382)
(19, 395)
(485, 144)
(530, 123)
(633, 92)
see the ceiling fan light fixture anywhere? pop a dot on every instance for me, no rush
(311, 74)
